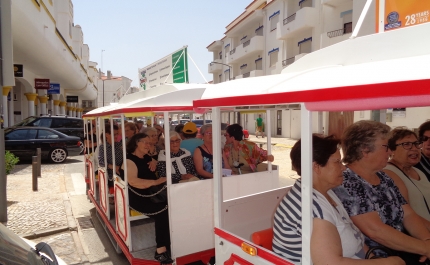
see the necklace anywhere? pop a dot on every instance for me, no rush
(235, 163)
(208, 149)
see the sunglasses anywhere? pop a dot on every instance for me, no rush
(424, 138)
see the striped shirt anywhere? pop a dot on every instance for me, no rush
(287, 229)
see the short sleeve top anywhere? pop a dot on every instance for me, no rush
(359, 197)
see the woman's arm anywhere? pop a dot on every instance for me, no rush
(399, 183)
(372, 226)
(136, 182)
(198, 163)
(326, 247)
(189, 166)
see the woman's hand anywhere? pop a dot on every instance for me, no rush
(187, 176)
(270, 158)
(152, 165)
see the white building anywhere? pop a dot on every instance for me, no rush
(270, 35)
(112, 88)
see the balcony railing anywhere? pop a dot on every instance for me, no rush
(288, 61)
(233, 51)
(245, 75)
(246, 43)
(289, 19)
(335, 33)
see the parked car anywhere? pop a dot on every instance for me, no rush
(55, 146)
(68, 125)
(15, 250)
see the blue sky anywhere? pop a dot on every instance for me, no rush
(135, 33)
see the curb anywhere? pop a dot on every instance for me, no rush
(47, 232)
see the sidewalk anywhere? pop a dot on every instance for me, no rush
(44, 215)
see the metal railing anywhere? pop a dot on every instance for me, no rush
(335, 33)
(233, 51)
(289, 19)
(246, 43)
(288, 61)
(245, 75)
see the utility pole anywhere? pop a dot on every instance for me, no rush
(3, 197)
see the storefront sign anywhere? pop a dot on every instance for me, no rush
(401, 13)
(72, 99)
(54, 88)
(18, 70)
(41, 83)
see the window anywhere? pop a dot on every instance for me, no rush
(220, 55)
(305, 46)
(273, 57)
(305, 3)
(227, 75)
(259, 64)
(87, 103)
(226, 49)
(45, 134)
(31, 134)
(259, 31)
(347, 21)
(274, 18)
(60, 123)
(43, 123)
(17, 135)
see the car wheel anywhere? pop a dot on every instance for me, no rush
(58, 155)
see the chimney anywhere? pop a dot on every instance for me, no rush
(109, 74)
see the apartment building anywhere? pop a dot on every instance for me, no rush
(271, 35)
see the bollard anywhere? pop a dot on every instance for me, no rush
(39, 162)
(34, 173)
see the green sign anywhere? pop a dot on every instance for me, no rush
(180, 66)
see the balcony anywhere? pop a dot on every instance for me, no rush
(333, 37)
(215, 46)
(253, 73)
(300, 21)
(291, 60)
(214, 67)
(251, 47)
(335, 3)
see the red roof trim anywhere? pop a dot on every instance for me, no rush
(417, 87)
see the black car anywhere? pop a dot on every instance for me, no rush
(55, 146)
(68, 125)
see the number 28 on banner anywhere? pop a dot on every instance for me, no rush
(405, 13)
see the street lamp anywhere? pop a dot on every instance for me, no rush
(229, 70)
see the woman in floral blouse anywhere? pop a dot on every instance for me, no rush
(242, 156)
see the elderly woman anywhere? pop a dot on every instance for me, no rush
(372, 199)
(140, 178)
(412, 183)
(130, 130)
(242, 156)
(203, 154)
(182, 162)
(335, 239)
(424, 136)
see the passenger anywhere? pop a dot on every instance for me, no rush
(153, 149)
(412, 182)
(160, 135)
(179, 128)
(191, 142)
(182, 162)
(140, 178)
(139, 125)
(118, 153)
(424, 136)
(242, 156)
(372, 199)
(90, 139)
(335, 239)
(203, 155)
(130, 130)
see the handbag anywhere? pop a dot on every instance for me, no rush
(377, 255)
(158, 193)
(409, 258)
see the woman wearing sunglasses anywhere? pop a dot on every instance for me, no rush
(412, 183)
(424, 135)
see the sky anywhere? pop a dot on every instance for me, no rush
(136, 33)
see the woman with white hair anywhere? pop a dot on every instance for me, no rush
(182, 162)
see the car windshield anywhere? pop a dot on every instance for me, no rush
(26, 121)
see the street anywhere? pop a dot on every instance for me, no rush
(60, 213)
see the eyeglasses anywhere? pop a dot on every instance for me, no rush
(424, 138)
(386, 147)
(408, 145)
(175, 141)
(208, 133)
(143, 141)
(226, 135)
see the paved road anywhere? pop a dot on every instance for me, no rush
(60, 214)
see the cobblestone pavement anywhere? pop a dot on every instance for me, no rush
(34, 211)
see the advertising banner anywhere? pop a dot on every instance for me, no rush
(171, 69)
(402, 13)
